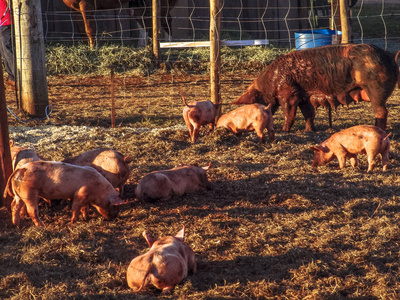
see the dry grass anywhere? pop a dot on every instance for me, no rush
(270, 228)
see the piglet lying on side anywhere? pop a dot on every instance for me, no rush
(55, 180)
(110, 163)
(253, 117)
(175, 182)
(197, 114)
(164, 266)
(361, 139)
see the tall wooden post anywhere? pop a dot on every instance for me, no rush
(112, 98)
(5, 155)
(344, 21)
(335, 15)
(30, 56)
(215, 57)
(156, 11)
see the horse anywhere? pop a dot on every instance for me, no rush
(138, 8)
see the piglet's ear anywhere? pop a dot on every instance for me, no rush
(128, 159)
(181, 234)
(206, 168)
(150, 241)
(315, 148)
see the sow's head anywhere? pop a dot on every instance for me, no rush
(252, 95)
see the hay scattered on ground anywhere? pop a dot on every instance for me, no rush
(270, 228)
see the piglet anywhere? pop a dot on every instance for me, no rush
(113, 165)
(174, 182)
(197, 114)
(254, 117)
(164, 266)
(56, 180)
(21, 155)
(361, 139)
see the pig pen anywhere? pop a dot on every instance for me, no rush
(270, 228)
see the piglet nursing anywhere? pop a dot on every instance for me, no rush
(361, 139)
(165, 265)
(253, 117)
(174, 182)
(55, 180)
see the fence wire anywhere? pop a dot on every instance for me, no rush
(276, 22)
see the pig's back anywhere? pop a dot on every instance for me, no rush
(109, 163)
(183, 179)
(152, 186)
(202, 112)
(171, 261)
(24, 156)
(357, 138)
(58, 179)
(244, 117)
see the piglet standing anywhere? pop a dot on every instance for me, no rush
(197, 114)
(174, 182)
(361, 139)
(113, 165)
(165, 265)
(55, 180)
(254, 117)
(21, 155)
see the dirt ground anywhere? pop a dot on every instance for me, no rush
(270, 228)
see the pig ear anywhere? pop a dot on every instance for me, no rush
(316, 149)
(206, 168)
(181, 234)
(128, 159)
(11, 143)
(150, 241)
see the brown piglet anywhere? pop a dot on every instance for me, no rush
(21, 155)
(197, 114)
(56, 180)
(113, 165)
(165, 184)
(164, 266)
(254, 117)
(347, 143)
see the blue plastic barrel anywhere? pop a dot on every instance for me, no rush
(314, 38)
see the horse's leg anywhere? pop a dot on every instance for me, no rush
(88, 29)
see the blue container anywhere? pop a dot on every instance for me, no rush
(315, 38)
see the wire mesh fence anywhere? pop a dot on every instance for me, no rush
(275, 22)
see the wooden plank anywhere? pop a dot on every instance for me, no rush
(207, 44)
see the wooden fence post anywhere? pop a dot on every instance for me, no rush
(344, 21)
(215, 57)
(30, 53)
(5, 155)
(112, 98)
(156, 29)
